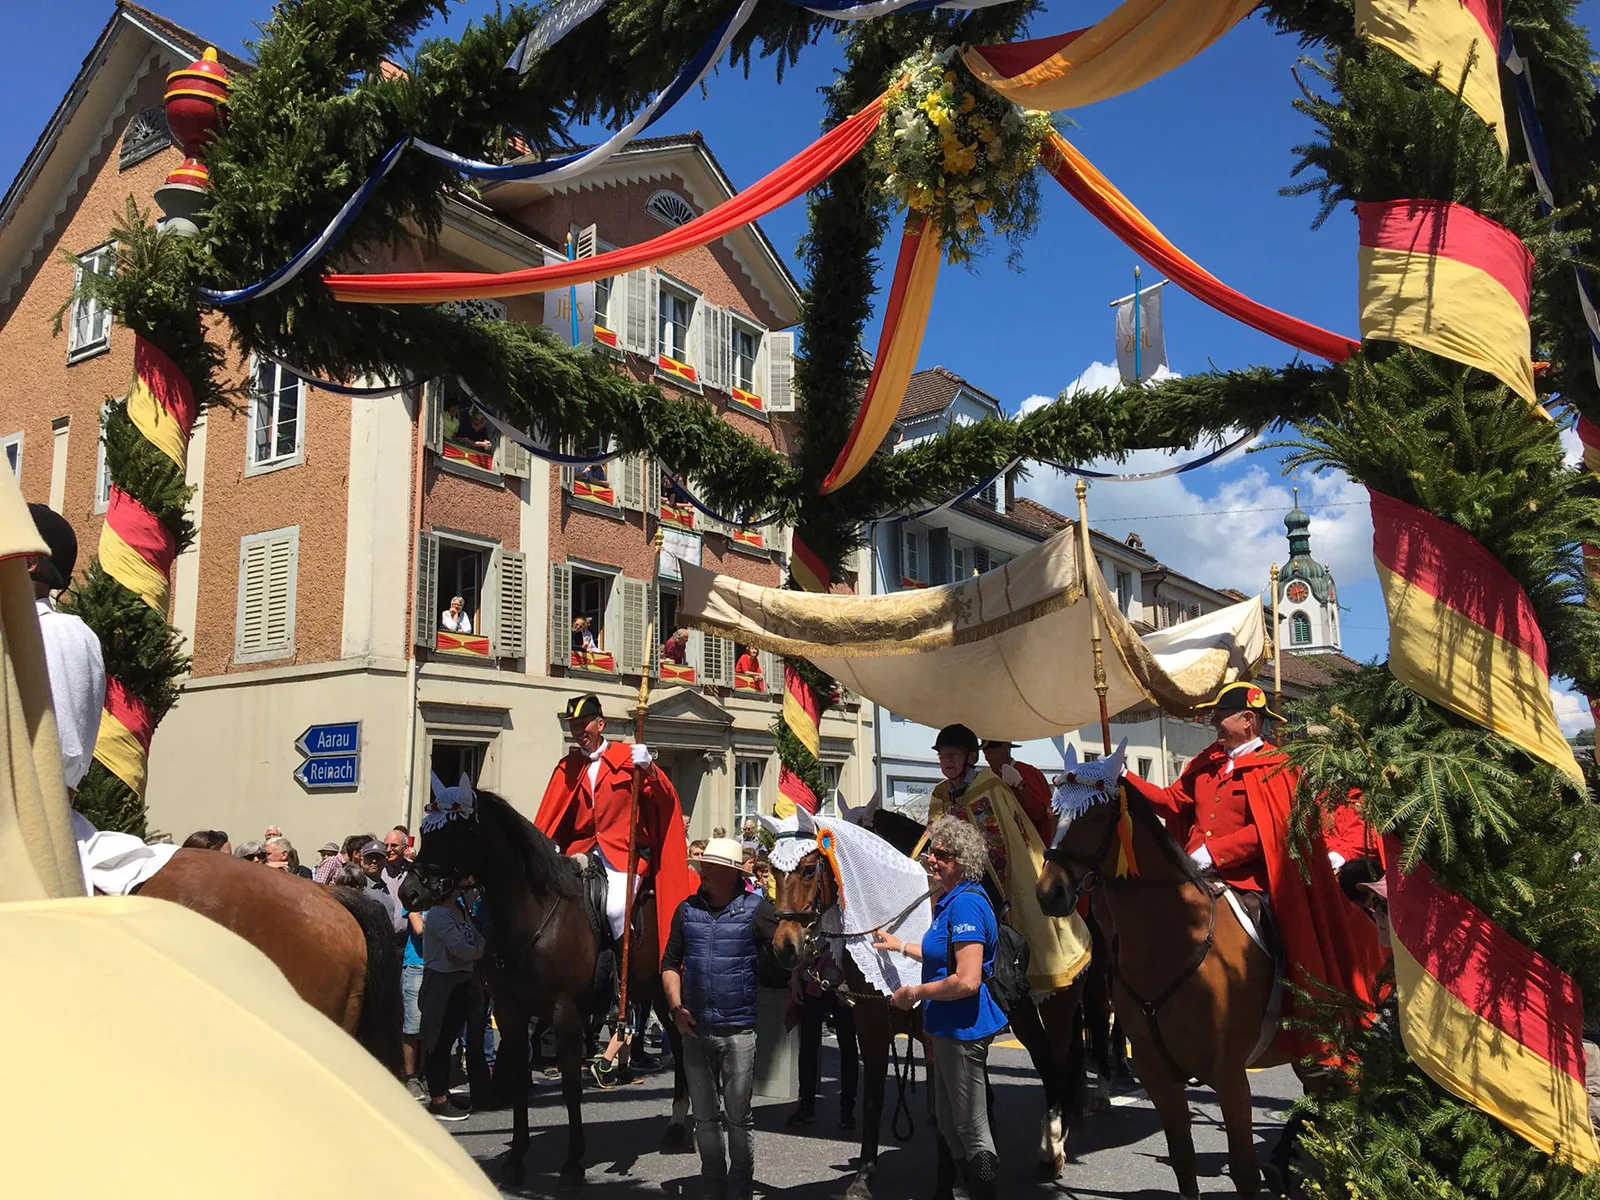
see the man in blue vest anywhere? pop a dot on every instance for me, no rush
(709, 975)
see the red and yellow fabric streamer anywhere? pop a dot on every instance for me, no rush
(1443, 278)
(126, 727)
(1117, 213)
(137, 550)
(794, 178)
(1445, 36)
(905, 320)
(1462, 632)
(1137, 42)
(1488, 1019)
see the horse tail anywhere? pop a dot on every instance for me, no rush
(381, 1025)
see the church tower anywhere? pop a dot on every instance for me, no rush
(1307, 600)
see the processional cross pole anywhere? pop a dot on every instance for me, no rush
(1277, 649)
(645, 668)
(1101, 687)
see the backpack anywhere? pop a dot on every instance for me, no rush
(1008, 981)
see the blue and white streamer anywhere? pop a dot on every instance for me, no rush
(1166, 472)
(553, 170)
(854, 10)
(531, 444)
(1539, 160)
(711, 512)
(342, 389)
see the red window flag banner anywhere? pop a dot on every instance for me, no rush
(1104, 202)
(591, 489)
(461, 643)
(748, 681)
(1138, 41)
(748, 399)
(752, 539)
(607, 337)
(481, 459)
(676, 673)
(905, 319)
(679, 372)
(1487, 1018)
(677, 516)
(1444, 36)
(1442, 278)
(594, 660)
(1462, 632)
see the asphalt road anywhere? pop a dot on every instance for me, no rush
(1121, 1155)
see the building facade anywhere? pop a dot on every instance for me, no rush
(336, 533)
(990, 529)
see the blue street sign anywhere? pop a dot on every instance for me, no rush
(343, 737)
(329, 772)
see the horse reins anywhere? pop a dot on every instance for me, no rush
(1092, 881)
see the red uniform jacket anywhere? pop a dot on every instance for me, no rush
(1348, 835)
(1326, 939)
(578, 818)
(1034, 796)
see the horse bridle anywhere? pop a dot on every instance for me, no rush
(1093, 878)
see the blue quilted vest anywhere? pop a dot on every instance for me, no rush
(720, 963)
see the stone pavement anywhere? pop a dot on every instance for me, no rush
(1120, 1157)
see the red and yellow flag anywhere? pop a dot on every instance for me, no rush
(807, 569)
(1136, 42)
(1445, 36)
(1462, 632)
(1442, 278)
(905, 319)
(1488, 1019)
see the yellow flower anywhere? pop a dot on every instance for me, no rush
(968, 102)
(983, 205)
(966, 221)
(960, 158)
(919, 198)
(986, 136)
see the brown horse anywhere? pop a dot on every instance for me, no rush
(335, 946)
(543, 952)
(1189, 985)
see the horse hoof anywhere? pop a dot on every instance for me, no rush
(861, 1189)
(1099, 1104)
(1273, 1182)
(571, 1178)
(1052, 1168)
(676, 1139)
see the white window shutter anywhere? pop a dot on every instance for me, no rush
(615, 318)
(424, 620)
(587, 242)
(561, 614)
(511, 577)
(725, 662)
(712, 654)
(281, 556)
(652, 485)
(433, 414)
(514, 459)
(694, 348)
(696, 656)
(772, 672)
(716, 332)
(250, 634)
(779, 348)
(652, 286)
(639, 331)
(630, 490)
(635, 616)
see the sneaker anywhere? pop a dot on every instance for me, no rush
(643, 1060)
(800, 1117)
(447, 1112)
(605, 1073)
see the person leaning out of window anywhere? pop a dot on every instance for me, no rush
(959, 1015)
(456, 618)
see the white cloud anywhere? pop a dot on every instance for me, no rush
(1221, 524)
(1572, 447)
(1572, 710)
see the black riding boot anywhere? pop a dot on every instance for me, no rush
(983, 1172)
(944, 1182)
(605, 977)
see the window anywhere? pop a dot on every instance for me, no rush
(13, 449)
(1300, 630)
(451, 760)
(747, 774)
(1194, 612)
(913, 563)
(1144, 768)
(746, 346)
(958, 564)
(672, 328)
(590, 595)
(462, 570)
(102, 473)
(277, 425)
(1124, 590)
(265, 615)
(990, 494)
(89, 331)
(828, 802)
(598, 619)
(602, 303)
(1091, 756)
(490, 583)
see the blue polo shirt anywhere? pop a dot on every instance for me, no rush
(964, 915)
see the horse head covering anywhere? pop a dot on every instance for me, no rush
(1083, 785)
(449, 804)
(879, 887)
(797, 837)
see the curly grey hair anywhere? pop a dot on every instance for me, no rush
(964, 842)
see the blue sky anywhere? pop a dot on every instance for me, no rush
(1203, 151)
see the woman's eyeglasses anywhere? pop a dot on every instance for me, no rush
(942, 855)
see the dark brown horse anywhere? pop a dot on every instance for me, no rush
(335, 946)
(1190, 986)
(542, 956)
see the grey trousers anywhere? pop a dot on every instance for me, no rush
(959, 1102)
(721, 1071)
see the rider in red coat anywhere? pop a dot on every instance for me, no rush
(1230, 812)
(585, 810)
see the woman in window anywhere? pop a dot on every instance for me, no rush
(583, 636)
(456, 618)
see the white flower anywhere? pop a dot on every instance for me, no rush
(1012, 119)
(948, 55)
(910, 128)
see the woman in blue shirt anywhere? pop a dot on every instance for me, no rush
(959, 1015)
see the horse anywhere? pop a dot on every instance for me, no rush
(1189, 984)
(804, 895)
(1050, 1029)
(542, 957)
(335, 946)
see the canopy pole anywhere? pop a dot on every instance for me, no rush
(1277, 647)
(1101, 687)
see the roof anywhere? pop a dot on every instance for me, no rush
(188, 39)
(931, 391)
(1310, 672)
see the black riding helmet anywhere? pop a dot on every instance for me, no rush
(956, 737)
(55, 572)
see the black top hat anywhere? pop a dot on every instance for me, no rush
(1241, 697)
(56, 571)
(956, 737)
(584, 708)
(987, 742)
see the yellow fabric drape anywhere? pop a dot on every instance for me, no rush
(1137, 42)
(159, 427)
(1058, 947)
(38, 852)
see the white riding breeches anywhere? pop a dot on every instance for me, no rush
(616, 895)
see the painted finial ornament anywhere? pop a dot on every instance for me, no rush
(196, 103)
(449, 804)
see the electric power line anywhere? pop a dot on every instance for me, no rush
(1225, 512)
